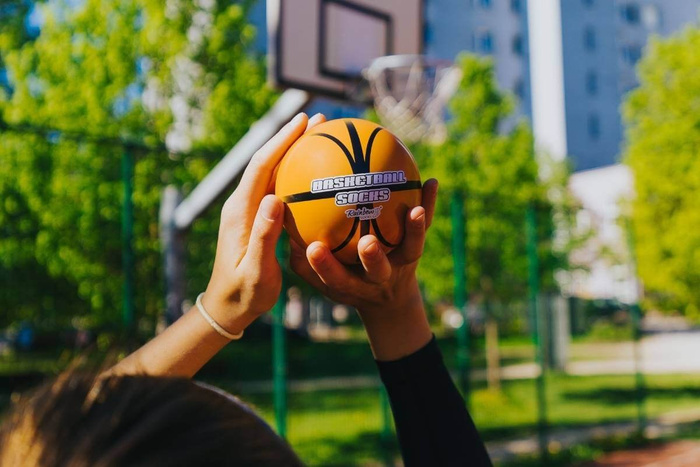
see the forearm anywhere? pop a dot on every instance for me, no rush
(181, 350)
(432, 422)
(397, 331)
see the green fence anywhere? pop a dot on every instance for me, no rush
(320, 390)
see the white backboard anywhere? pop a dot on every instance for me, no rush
(322, 46)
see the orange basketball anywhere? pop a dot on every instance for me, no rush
(344, 179)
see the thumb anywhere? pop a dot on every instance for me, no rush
(267, 228)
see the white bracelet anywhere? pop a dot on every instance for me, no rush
(213, 323)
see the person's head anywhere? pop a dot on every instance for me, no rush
(136, 420)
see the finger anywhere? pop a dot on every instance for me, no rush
(411, 248)
(315, 120)
(264, 234)
(330, 270)
(300, 265)
(375, 262)
(258, 174)
(430, 190)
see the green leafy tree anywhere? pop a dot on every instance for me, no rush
(663, 133)
(139, 70)
(497, 174)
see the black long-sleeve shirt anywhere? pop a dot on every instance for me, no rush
(432, 422)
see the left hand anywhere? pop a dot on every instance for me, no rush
(246, 278)
(382, 281)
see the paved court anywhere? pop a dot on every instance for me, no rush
(676, 454)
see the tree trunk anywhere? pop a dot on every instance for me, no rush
(493, 359)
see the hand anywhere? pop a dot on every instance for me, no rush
(246, 277)
(384, 289)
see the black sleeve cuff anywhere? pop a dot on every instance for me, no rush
(420, 364)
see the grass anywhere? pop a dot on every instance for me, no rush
(343, 427)
(252, 360)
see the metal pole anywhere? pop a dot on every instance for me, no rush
(173, 249)
(279, 350)
(534, 286)
(386, 436)
(639, 383)
(460, 289)
(127, 243)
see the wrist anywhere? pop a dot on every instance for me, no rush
(397, 329)
(227, 311)
(406, 299)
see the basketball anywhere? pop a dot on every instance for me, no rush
(344, 179)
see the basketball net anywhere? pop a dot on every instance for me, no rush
(410, 93)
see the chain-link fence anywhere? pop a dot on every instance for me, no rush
(82, 268)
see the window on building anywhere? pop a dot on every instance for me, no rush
(631, 54)
(517, 45)
(516, 6)
(519, 88)
(630, 13)
(592, 83)
(589, 39)
(486, 4)
(483, 42)
(427, 33)
(593, 126)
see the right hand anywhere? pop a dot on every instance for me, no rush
(246, 278)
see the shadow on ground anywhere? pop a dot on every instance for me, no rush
(366, 448)
(616, 396)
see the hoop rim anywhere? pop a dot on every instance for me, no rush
(404, 61)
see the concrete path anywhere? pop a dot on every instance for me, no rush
(683, 453)
(662, 353)
(666, 425)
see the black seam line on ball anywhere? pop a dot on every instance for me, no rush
(356, 148)
(355, 223)
(364, 227)
(370, 143)
(380, 237)
(359, 165)
(355, 167)
(341, 146)
(309, 196)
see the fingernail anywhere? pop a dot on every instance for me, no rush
(316, 117)
(297, 119)
(317, 254)
(371, 250)
(270, 209)
(420, 218)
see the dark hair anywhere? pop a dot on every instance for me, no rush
(79, 420)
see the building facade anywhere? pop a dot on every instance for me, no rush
(569, 62)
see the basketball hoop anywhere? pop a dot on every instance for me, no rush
(410, 93)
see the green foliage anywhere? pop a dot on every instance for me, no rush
(142, 70)
(497, 173)
(663, 133)
(605, 330)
